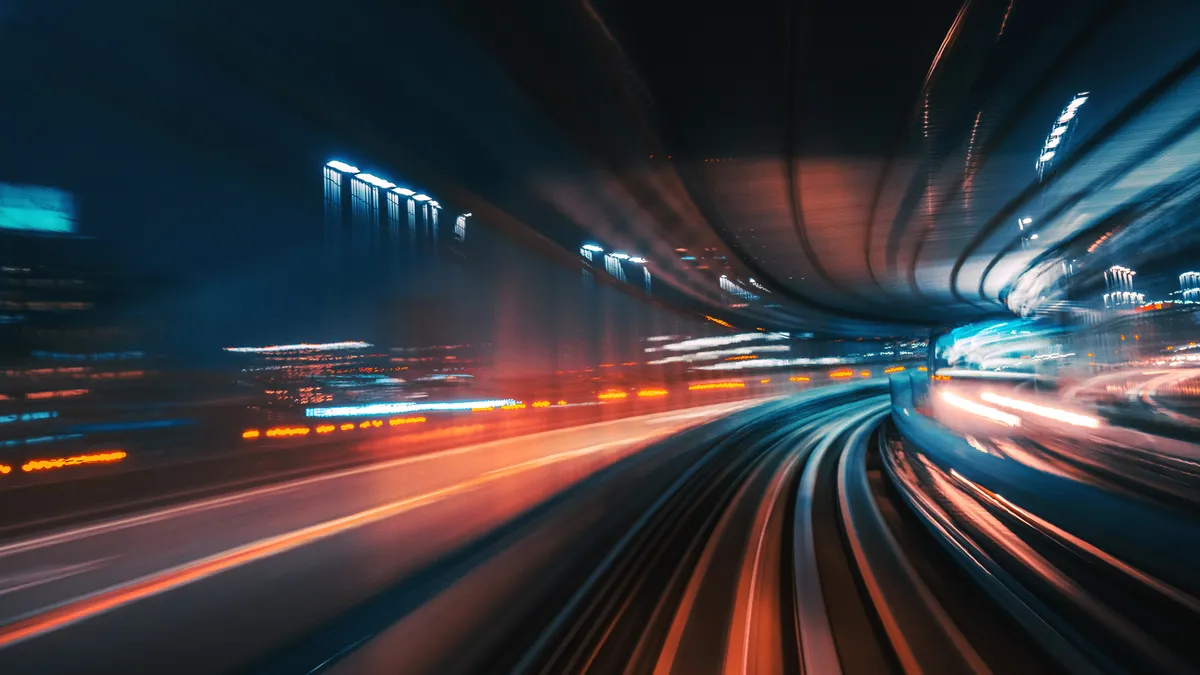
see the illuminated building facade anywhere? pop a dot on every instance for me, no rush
(370, 216)
(1189, 286)
(1118, 287)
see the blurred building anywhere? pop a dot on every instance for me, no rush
(74, 362)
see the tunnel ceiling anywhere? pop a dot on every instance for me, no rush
(874, 162)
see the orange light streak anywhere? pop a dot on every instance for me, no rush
(894, 369)
(717, 385)
(251, 433)
(287, 431)
(840, 374)
(651, 393)
(799, 378)
(93, 458)
(62, 393)
(612, 395)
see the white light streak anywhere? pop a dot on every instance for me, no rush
(1042, 411)
(981, 410)
(302, 346)
(704, 343)
(371, 409)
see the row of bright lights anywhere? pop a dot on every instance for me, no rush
(593, 248)
(285, 432)
(1060, 128)
(381, 183)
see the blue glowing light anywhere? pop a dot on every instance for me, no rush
(371, 409)
(404, 191)
(422, 197)
(593, 248)
(36, 209)
(29, 416)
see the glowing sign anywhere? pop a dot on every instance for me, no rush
(36, 209)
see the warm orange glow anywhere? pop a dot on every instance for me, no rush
(941, 378)
(93, 458)
(799, 378)
(482, 409)
(325, 428)
(718, 321)
(4, 469)
(922, 368)
(562, 402)
(612, 395)
(651, 393)
(62, 393)
(865, 373)
(629, 363)
(376, 423)
(743, 357)
(287, 431)
(541, 404)
(839, 374)
(894, 369)
(607, 365)
(364, 425)
(397, 421)
(348, 426)
(765, 380)
(251, 433)
(513, 406)
(717, 385)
